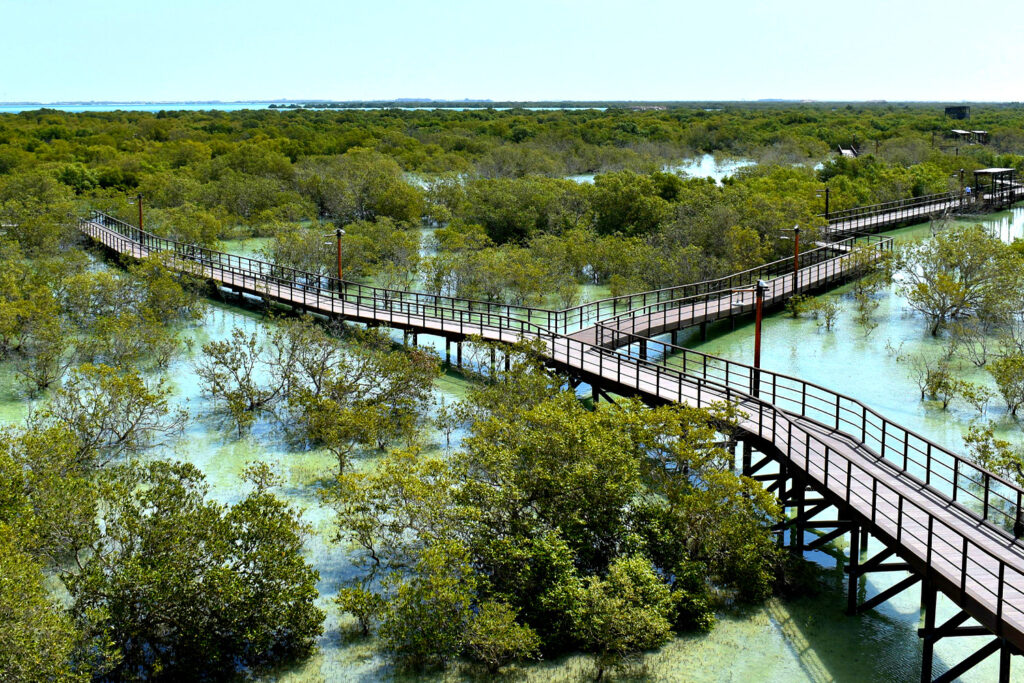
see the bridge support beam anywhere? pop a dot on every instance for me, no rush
(598, 393)
(953, 627)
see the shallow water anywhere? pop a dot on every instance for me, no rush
(795, 639)
(704, 166)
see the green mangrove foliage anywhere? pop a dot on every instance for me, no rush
(329, 394)
(553, 527)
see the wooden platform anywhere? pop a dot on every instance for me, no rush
(978, 566)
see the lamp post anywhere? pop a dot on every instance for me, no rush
(338, 232)
(796, 257)
(759, 291)
(138, 201)
(824, 193)
(755, 378)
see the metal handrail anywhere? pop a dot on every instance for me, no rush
(668, 384)
(835, 469)
(592, 311)
(890, 206)
(348, 291)
(1000, 499)
(828, 270)
(314, 292)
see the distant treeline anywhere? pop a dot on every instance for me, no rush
(515, 228)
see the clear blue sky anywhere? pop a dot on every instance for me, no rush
(54, 50)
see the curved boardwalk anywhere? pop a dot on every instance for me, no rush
(952, 524)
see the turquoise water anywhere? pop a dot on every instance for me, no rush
(808, 638)
(794, 639)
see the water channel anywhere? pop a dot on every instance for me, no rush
(808, 638)
(704, 166)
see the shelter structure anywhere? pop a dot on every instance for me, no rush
(958, 112)
(995, 188)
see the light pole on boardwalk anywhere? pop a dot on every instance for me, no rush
(824, 193)
(759, 290)
(796, 258)
(137, 200)
(338, 233)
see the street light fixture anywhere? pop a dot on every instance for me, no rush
(338, 232)
(137, 200)
(759, 290)
(825, 192)
(796, 257)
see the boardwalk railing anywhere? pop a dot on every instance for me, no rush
(887, 214)
(319, 291)
(900, 209)
(872, 464)
(589, 313)
(942, 548)
(854, 254)
(996, 499)
(274, 279)
(564, 321)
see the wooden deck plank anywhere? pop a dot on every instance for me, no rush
(808, 444)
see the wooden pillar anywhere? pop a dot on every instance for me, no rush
(1004, 662)
(595, 394)
(928, 600)
(458, 349)
(508, 362)
(415, 339)
(854, 566)
(492, 360)
(864, 538)
(405, 337)
(746, 458)
(643, 349)
(447, 350)
(675, 337)
(704, 330)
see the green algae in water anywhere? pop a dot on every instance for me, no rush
(803, 639)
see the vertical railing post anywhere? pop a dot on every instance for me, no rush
(956, 476)
(984, 512)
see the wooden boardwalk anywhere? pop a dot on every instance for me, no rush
(854, 460)
(668, 316)
(902, 212)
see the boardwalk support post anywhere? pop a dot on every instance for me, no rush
(854, 569)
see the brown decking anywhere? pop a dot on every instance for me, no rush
(659, 318)
(980, 567)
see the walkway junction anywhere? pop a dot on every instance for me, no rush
(836, 465)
